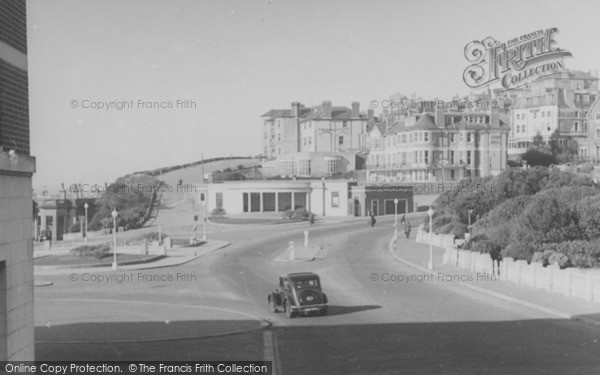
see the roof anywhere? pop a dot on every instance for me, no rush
(337, 113)
(285, 113)
(594, 105)
(379, 125)
(302, 276)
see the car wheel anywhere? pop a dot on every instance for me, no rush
(288, 310)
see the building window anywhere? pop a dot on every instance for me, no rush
(345, 124)
(451, 157)
(335, 199)
(426, 157)
(576, 113)
(341, 140)
(518, 117)
(543, 114)
(576, 125)
(468, 157)
(426, 135)
(452, 138)
(404, 136)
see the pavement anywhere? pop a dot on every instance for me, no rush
(175, 257)
(416, 255)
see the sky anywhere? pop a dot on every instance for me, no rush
(232, 61)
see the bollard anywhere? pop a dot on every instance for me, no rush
(305, 238)
(159, 235)
(292, 255)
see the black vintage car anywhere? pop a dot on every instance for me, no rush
(299, 293)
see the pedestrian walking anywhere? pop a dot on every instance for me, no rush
(312, 219)
(373, 220)
(407, 229)
(403, 220)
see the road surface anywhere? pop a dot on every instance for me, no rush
(215, 309)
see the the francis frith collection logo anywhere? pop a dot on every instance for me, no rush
(513, 63)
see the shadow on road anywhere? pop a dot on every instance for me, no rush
(343, 310)
(548, 346)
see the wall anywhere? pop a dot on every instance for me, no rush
(16, 169)
(16, 259)
(571, 282)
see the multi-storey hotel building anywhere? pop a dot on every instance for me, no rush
(557, 102)
(443, 145)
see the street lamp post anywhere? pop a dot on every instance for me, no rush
(396, 217)
(204, 219)
(86, 205)
(430, 212)
(114, 214)
(470, 211)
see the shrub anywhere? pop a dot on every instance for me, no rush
(586, 168)
(518, 250)
(486, 247)
(588, 214)
(478, 238)
(96, 251)
(548, 255)
(455, 227)
(459, 230)
(287, 214)
(218, 212)
(152, 236)
(75, 227)
(549, 217)
(583, 254)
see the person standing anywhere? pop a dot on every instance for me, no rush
(407, 229)
(373, 220)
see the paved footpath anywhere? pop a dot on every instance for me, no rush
(417, 255)
(175, 257)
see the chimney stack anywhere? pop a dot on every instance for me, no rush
(440, 115)
(295, 109)
(371, 114)
(355, 109)
(326, 109)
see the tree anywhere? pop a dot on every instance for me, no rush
(538, 141)
(536, 157)
(554, 143)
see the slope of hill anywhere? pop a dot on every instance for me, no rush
(193, 174)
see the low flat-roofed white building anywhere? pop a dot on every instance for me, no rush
(322, 197)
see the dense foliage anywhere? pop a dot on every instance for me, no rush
(132, 196)
(523, 211)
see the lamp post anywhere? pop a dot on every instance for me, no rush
(204, 220)
(323, 183)
(470, 211)
(114, 214)
(396, 217)
(430, 212)
(86, 205)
